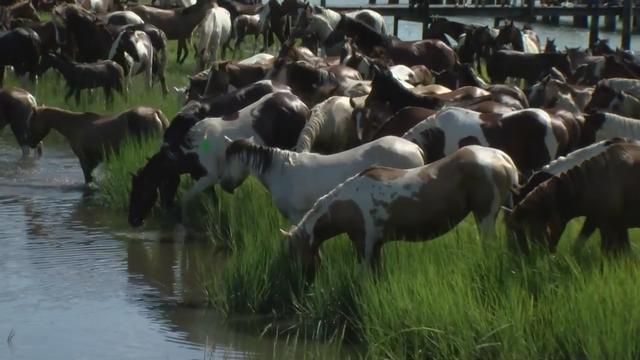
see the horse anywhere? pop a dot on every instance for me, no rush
(279, 170)
(22, 10)
(134, 51)
(520, 40)
(101, 6)
(244, 25)
(90, 134)
(321, 22)
(385, 88)
(629, 86)
(226, 75)
(382, 204)
(178, 24)
(550, 46)
(106, 74)
(329, 128)
(16, 107)
(375, 123)
(603, 189)
(527, 66)
(618, 102)
(600, 126)
(123, 18)
(562, 165)
(214, 32)
(47, 33)
(24, 54)
(528, 136)
(553, 92)
(198, 146)
(92, 37)
(170, 4)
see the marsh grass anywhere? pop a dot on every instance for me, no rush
(452, 297)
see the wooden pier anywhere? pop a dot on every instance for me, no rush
(529, 13)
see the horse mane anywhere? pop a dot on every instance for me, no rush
(311, 128)
(259, 158)
(630, 127)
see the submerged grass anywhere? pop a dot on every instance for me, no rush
(450, 297)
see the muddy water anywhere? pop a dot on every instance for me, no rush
(76, 283)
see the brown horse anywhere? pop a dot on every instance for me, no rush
(178, 24)
(90, 34)
(604, 189)
(16, 107)
(91, 134)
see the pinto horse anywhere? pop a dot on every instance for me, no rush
(529, 136)
(279, 170)
(602, 125)
(274, 120)
(520, 40)
(382, 204)
(603, 189)
(16, 107)
(616, 101)
(178, 24)
(90, 134)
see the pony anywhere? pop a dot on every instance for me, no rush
(550, 46)
(123, 18)
(329, 128)
(528, 136)
(550, 92)
(562, 165)
(527, 66)
(24, 54)
(374, 123)
(90, 135)
(602, 125)
(106, 74)
(213, 33)
(385, 88)
(178, 24)
(603, 189)
(134, 51)
(16, 107)
(101, 6)
(197, 147)
(615, 101)
(225, 75)
(382, 204)
(244, 25)
(520, 40)
(91, 35)
(279, 170)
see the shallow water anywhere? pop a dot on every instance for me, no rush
(77, 283)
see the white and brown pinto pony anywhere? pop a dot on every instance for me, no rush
(603, 189)
(282, 172)
(134, 51)
(382, 204)
(213, 34)
(602, 125)
(529, 136)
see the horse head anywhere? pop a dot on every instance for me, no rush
(299, 248)
(145, 184)
(550, 46)
(240, 156)
(601, 98)
(339, 32)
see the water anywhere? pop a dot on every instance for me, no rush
(77, 283)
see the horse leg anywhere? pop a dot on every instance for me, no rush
(588, 228)
(202, 184)
(87, 166)
(69, 94)
(168, 190)
(108, 96)
(77, 93)
(615, 239)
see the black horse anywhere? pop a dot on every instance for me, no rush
(20, 49)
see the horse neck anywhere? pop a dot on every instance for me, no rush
(64, 121)
(64, 66)
(269, 174)
(318, 223)
(620, 126)
(332, 17)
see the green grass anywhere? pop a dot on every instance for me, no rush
(450, 297)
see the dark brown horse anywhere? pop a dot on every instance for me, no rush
(20, 49)
(16, 107)
(178, 24)
(91, 36)
(604, 189)
(226, 74)
(90, 134)
(530, 67)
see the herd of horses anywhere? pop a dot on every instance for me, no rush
(350, 129)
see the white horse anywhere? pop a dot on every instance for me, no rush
(262, 58)
(629, 86)
(134, 51)
(122, 18)
(626, 105)
(99, 6)
(205, 140)
(284, 172)
(213, 33)
(167, 4)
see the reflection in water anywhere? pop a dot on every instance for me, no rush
(77, 283)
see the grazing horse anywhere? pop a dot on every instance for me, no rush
(106, 74)
(197, 148)
(530, 67)
(329, 128)
(603, 189)
(21, 49)
(382, 204)
(91, 35)
(90, 134)
(16, 107)
(178, 24)
(529, 136)
(280, 170)
(213, 32)
(602, 125)
(562, 165)
(520, 40)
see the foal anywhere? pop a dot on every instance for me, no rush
(90, 134)
(382, 204)
(106, 74)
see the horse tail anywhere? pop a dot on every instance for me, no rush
(311, 129)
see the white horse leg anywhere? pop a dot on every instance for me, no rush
(149, 73)
(201, 185)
